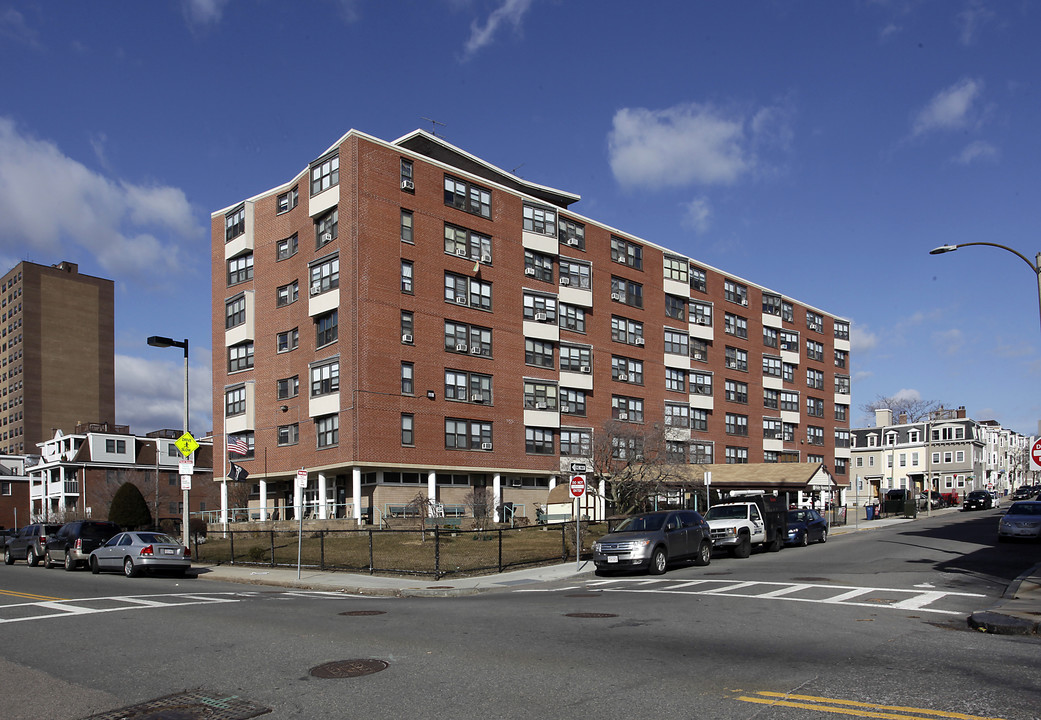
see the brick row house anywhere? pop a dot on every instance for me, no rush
(404, 319)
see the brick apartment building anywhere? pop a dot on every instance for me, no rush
(404, 318)
(57, 352)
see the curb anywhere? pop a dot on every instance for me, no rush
(1000, 621)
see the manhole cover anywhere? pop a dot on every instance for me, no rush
(363, 613)
(590, 615)
(349, 668)
(192, 705)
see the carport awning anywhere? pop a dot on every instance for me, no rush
(763, 476)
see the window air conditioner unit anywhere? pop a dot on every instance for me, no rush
(327, 237)
(565, 281)
(620, 259)
(565, 408)
(702, 321)
(486, 257)
(486, 446)
(477, 398)
(475, 349)
(462, 252)
(406, 338)
(408, 185)
(540, 406)
(616, 296)
(461, 347)
(460, 299)
(698, 356)
(586, 369)
(623, 416)
(639, 341)
(622, 377)
(573, 242)
(529, 271)
(540, 317)
(316, 288)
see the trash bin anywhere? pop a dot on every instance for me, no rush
(870, 512)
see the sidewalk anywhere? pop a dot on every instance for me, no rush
(1018, 612)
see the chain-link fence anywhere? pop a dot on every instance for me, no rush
(436, 552)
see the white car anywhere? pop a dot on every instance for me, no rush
(1023, 520)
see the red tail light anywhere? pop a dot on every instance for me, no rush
(146, 550)
(187, 552)
(79, 544)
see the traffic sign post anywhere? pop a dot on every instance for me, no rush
(577, 485)
(301, 482)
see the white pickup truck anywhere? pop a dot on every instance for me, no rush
(760, 520)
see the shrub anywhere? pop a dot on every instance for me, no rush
(197, 526)
(129, 509)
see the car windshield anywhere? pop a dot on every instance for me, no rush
(641, 523)
(979, 494)
(798, 516)
(1025, 509)
(727, 512)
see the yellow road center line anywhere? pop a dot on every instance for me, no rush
(785, 698)
(29, 596)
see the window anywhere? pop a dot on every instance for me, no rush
(627, 291)
(676, 269)
(771, 399)
(407, 327)
(325, 378)
(240, 269)
(789, 430)
(325, 173)
(289, 434)
(790, 341)
(788, 372)
(286, 248)
(539, 441)
(842, 441)
(541, 308)
(540, 220)
(538, 352)
(235, 312)
(787, 311)
(467, 434)
(772, 428)
(467, 243)
(461, 337)
(815, 379)
(407, 180)
(771, 305)
(815, 436)
(736, 359)
(698, 350)
(735, 325)
(538, 266)
(627, 370)
(462, 290)
(841, 330)
(841, 412)
(842, 384)
(406, 226)
(814, 321)
(676, 307)
(240, 357)
(735, 391)
(288, 387)
(735, 292)
(700, 383)
(288, 201)
(287, 294)
(676, 342)
(626, 253)
(701, 453)
(736, 455)
(407, 271)
(675, 380)
(572, 317)
(408, 429)
(326, 328)
(626, 331)
(115, 446)
(790, 401)
(576, 274)
(408, 378)
(814, 350)
(468, 197)
(468, 387)
(327, 430)
(841, 357)
(576, 359)
(770, 337)
(701, 313)
(289, 340)
(576, 443)
(626, 409)
(771, 366)
(815, 407)
(571, 233)
(698, 279)
(677, 416)
(235, 223)
(573, 402)
(327, 228)
(540, 395)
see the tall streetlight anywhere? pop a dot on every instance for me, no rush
(159, 341)
(1034, 266)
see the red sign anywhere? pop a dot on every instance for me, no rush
(578, 485)
(1035, 454)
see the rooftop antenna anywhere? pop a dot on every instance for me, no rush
(433, 125)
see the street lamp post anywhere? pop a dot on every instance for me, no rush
(1034, 266)
(159, 341)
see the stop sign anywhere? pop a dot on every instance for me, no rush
(578, 485)
(1035, 454)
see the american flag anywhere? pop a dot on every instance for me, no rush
(237, 446)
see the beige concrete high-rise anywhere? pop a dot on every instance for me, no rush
(57, 353)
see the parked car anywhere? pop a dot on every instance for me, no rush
(30, 543)
(937, 500)
(806, 526)
(134, 552)
(4, 534)
(73, 544)
(653, 540)
(1024, 492)
(1022, 520)
(978, 500)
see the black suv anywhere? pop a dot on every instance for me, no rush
(30, 543)
(73, 544)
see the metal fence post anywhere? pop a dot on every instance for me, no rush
(231, 545)
(500, 549)
(372, 566)
(563, 541)
(271, 533)
(437, 553)
(321, 549)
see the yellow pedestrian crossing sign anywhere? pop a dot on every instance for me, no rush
(186, 444)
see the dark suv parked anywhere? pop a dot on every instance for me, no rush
(72, 545)
(30, 543)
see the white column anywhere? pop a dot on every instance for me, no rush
(323, 504)
(497, 494)
(432, 486)
(552, 481)
(298, 499)
(263, 500)
(356, 492)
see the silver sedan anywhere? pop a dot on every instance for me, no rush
(133, 552)
(1023, 520)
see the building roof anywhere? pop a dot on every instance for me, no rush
(763, 476)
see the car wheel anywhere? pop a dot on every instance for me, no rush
(94, 567)
(48, 562)
(70, 564)
(824, 536)
(704, 556)
(805, 539)
(128, 568)
(659, 561)
(8, 557)
(744, 548)
(30, 557)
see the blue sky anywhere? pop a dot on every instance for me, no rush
(819, 148)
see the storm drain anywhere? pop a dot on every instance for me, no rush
(192, 705)
(348, 668)
(589, 615)
(363, 613)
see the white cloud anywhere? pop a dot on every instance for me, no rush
(14, 26)
(52, 205)
(949, 342)
(150, 392)
(204, 13)
(976, 151)
(950, 109)
(511, 11)
(889, 31)
(861, 339)
(698, 215)
(906, 395)
(971, 20)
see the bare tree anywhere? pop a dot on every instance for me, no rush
(480, 507)
(914, 408)
(420, 507)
